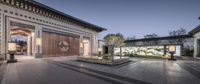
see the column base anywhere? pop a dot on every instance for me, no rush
(38, 55)
(172, 59)
(12, 61)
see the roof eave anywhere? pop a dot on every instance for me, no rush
(195, 30)
(160, 38)
(89, 25)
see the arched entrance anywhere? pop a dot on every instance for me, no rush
(23, 37)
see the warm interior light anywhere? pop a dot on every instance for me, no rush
(85, 41)
(81, 45)
(172, 48)
(38, 41)
(32, 34)
(12, 47)
(99, 49)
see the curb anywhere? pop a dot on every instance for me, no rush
(3, 68)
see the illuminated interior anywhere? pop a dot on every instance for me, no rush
(23, 39)
(146, 51)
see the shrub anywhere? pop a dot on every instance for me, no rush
(106, 56)
(1, 59)
(131, 55)
(187, 51)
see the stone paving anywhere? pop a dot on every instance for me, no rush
(149, 70)
(66, 70)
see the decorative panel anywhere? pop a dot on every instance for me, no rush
(1, 25)
(54, 45)
(146, 51)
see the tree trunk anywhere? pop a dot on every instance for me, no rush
(181, 49)
(120, 52)
(165, 50)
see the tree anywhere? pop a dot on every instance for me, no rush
(114, 39)
(150, 42)
(151, 35)
(179, 41)
(178, 32)
(117, 40)
(131, 38)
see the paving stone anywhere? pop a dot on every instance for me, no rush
(70, 71)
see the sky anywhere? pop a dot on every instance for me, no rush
(133, 17)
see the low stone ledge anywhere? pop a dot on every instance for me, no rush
(100, 60)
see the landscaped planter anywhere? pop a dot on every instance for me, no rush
(1, 61)
(100, 60)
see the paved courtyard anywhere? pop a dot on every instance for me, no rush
(66, 70)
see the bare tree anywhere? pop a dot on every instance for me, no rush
(151, 35)
(178, 32)
(150, 42)
(131, 38)
(178, 41)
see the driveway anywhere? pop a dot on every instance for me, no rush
(66, 70)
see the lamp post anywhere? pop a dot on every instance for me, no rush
(12, 47)
(81, 48)
(99, 51)
(172, 50)
(38, 44)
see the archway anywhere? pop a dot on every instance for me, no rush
(23, 37)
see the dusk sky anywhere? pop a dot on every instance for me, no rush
(133, 17)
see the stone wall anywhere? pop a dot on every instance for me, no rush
(12, 13)
(0, 30)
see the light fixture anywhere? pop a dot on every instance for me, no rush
(99, 51)
(81, 45)
(172, 51)
(172, 48)
(38, 41)
(32, 34)
(12, 48)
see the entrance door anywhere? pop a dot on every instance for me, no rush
(86, 47)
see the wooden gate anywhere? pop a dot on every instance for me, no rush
(54, 45)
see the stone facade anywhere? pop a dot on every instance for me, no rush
(0, 29)
(196, 45)
(22, 11)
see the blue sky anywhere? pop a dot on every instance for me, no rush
(133, 17)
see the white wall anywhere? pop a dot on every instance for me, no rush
(68, 27)
(196, 37)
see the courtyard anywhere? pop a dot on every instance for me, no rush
(67, 70)
(108, 42)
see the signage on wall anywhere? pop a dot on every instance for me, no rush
(63, 46)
